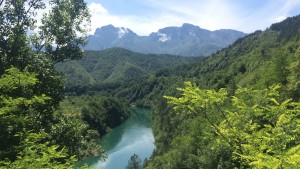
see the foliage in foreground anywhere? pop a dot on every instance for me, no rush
(40, 154)
(252, 128)
(20, 109)
(30, 87)
(25, 142)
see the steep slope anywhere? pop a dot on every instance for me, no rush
(188, 40)
(256, 61)
(116, 64)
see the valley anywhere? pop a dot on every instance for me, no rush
(183, 97)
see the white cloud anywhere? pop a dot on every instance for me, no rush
(122, 31)
(285, 9)
(279, 19)
(100, 16)
(97, 9)
(142, 25)
(220, 14)
(208, 14)
(168, 14)
(163, 37)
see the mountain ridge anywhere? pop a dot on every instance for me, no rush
(187, 40)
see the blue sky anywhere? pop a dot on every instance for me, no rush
(146, 16)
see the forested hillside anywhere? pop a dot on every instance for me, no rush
(218, 133)
(116, 64)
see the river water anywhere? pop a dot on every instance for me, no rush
(134, 136)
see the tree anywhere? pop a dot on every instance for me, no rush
(70, 132)
(294, 83)
(108, 112)
(59, 27)
(30, 87)
(20, 109)
(56, 39)
(134, 163)
(260, 130)
(38, 153)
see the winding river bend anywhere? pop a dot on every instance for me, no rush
(134, 136)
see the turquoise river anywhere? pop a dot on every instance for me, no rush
(134, 136)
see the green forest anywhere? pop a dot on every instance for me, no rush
(238, 108)
(112, 66)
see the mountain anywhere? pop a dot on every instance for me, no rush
(187, 40)
(116, 64)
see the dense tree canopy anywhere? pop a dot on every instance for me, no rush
(105, 114)
(259, 129)
(30, 87)
(20, 108)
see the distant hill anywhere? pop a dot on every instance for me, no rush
(116, 64)
(187, 40)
